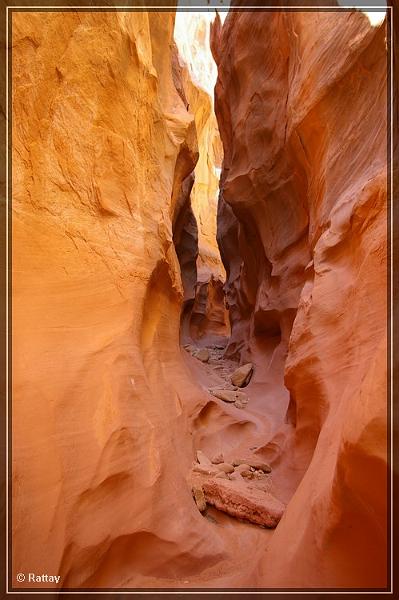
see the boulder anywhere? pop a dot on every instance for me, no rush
(238, 500)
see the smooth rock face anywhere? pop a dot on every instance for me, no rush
(301, 106)
(102, 146)
(242, 376)
(243, 503)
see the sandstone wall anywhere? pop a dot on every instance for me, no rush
(102, 141)
(206, 318)
(301, 107)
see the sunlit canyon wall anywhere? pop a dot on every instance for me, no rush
(102, 141)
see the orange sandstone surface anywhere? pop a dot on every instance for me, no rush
(205, 318)
(301, 105)
(115, 265)
(101, 441)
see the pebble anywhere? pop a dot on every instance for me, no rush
(254, 463)
(202, 355)
(226, 467)
(242, 467)
(247, 474)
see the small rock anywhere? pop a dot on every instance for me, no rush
(199, 498)
(226, 467)
(253, 462)
(205, 470)
(247, 474)
(241, 468)
(202, 355)
(221, 475)
(216, 460)
(242, 375)
(228, 395)
(190, 348)
(239, 404)
(252, 469)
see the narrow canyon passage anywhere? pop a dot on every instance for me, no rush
(199, 225)
(245, 402)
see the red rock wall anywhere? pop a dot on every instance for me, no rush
(101, 446)
(205, 317)
(301, 106)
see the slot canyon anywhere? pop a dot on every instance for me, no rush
(199, 299)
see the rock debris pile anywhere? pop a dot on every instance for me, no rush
(239, 487)
(234, 378)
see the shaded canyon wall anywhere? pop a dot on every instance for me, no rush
(301, 106)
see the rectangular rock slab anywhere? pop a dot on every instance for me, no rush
(244, 502)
